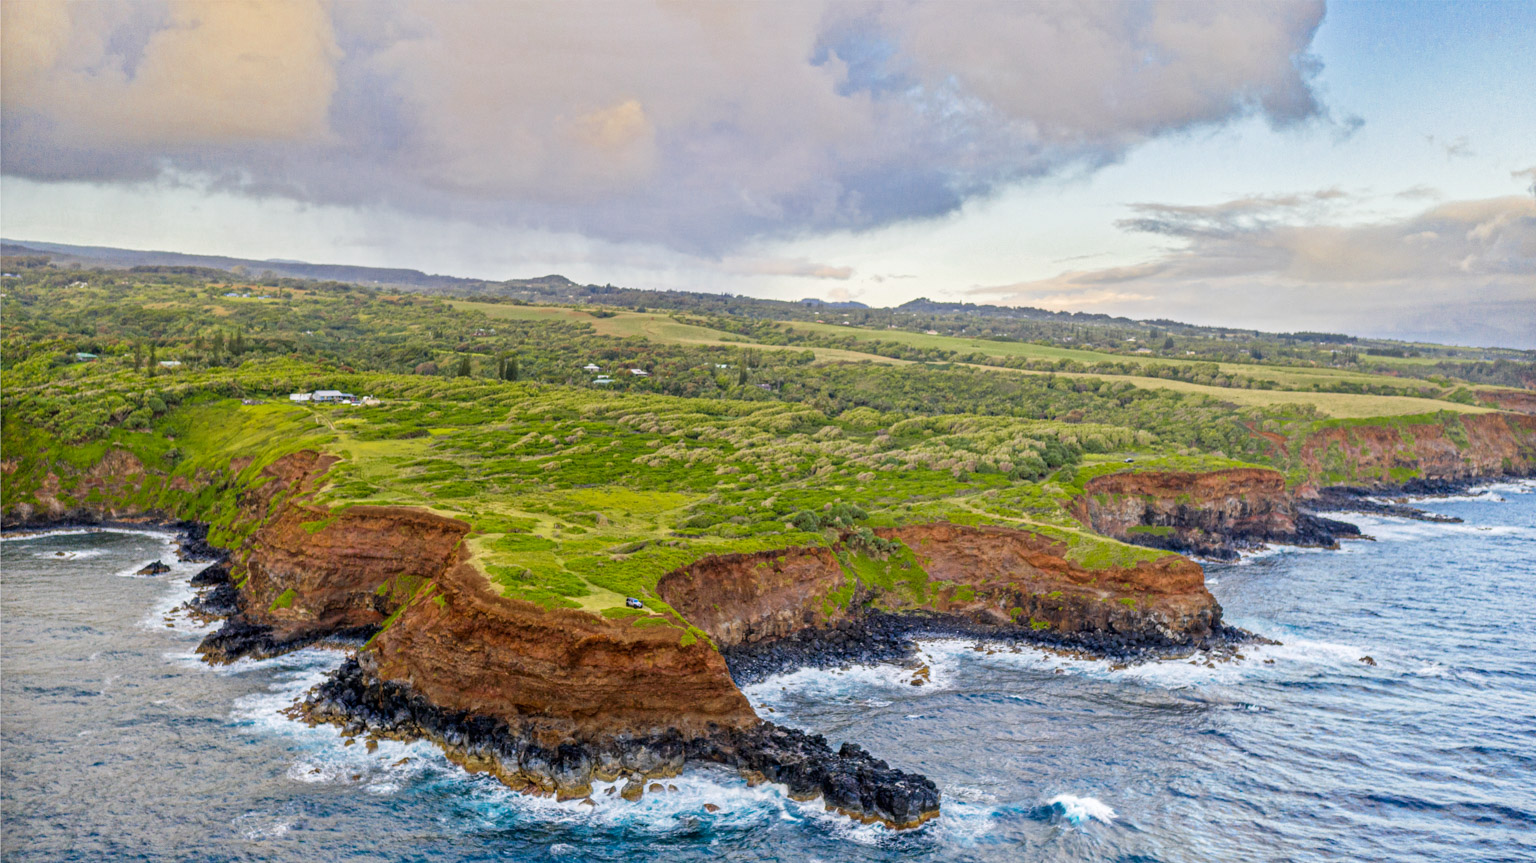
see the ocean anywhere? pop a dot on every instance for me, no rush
(116, 742)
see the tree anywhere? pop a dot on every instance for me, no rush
(463, 369)
(153, 364)
(509, 369)
(741, 378)
(138, 355)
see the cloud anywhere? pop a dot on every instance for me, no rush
(1459, 271)
(784, 267)
(1420, 192)
(1528, 174)
(699, 126)
(1228, 217)
(1459, 148)
(202, 74)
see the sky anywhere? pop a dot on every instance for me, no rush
(1367, 168)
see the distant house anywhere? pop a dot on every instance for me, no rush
(591, 367)
(602, 380)
(83, 357)
(331, 396)
(298, 397)
(640, 373)
(169, 364)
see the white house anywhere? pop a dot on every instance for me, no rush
(331, 396)
(640, 373)
(298, 397)
(603, 380)
(591, 367)
(169, 364)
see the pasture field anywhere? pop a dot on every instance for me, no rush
(1290, 377)
(1296, 381)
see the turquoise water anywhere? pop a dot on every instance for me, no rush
(119, 744)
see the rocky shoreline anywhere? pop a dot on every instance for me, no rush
(892, 638)
(1392, 501)
(534, 756)
(849, 779)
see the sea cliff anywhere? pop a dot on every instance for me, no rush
(551, 699)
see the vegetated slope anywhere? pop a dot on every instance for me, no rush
(483, 533)
(1332, 391)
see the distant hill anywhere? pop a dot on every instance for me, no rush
(845, 304)
(969, 320)
(923, 305)
(103, 256)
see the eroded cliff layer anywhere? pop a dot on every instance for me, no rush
(1213, 514)
(306, 573)
(567, 672)
(777, 610)
(1391, 453)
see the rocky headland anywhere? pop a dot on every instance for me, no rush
(1213, 515)
(550, 700)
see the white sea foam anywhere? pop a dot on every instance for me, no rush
(862, 685)
(1248, 556)
(82, 531)
(740, 807)
(1433, 669)
(1410, 530)
(260, 826)
(78, 554)
(949, 657)
(1294, 657)
(1078, 810)
(1493, 492)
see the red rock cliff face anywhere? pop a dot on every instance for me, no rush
(1211, 514)
(1490, 444)
(1011, 569)
(989, 576)
(1516, 401)
(454, 640)
(299, 579)
(567, 672)
(747, 598)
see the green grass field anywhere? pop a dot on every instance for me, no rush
(662, 328)
(654, 326)
(1290, 377)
